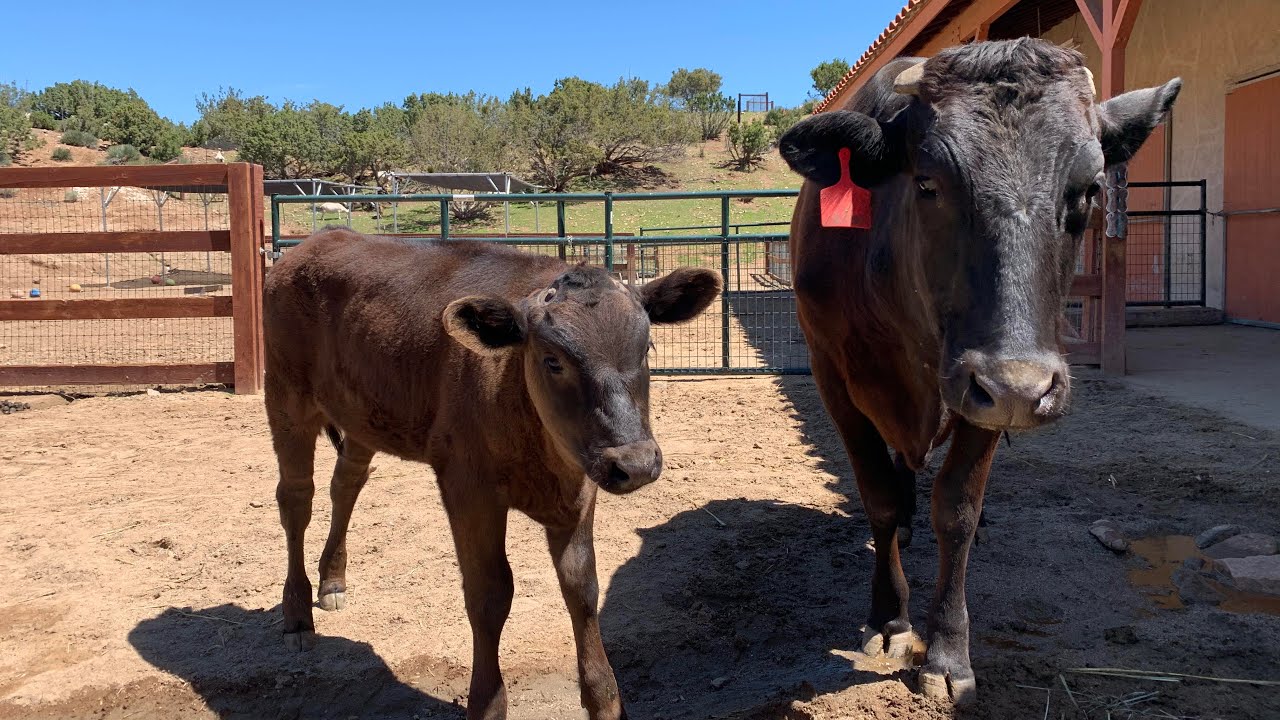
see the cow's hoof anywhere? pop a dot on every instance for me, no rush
(333, 601)
(948, 688)
(981, 536)
(876, 643)
(300, 641)
(904, 536)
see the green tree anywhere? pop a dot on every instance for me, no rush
(748, 143)
(555, 132)
(828, 74)
(712, 111)
(634, 125)
(225, 118)
(458, 133)
(15, 126)
(685, 85)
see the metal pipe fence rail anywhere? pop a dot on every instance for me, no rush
(751, 330)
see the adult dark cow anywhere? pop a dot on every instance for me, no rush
(522, 381)
(982, 163)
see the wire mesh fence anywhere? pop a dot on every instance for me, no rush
(1165, 247)
(49, 277)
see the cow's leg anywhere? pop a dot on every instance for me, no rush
(349, 475)
(906, 499)
(888, 628)
(295, 446)
(574, 555)
(479, 527)
(957, 503)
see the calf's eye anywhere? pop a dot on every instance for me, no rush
(553, 365)
(927, 186)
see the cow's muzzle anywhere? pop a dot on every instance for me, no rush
(628, 467)
(1002, 393)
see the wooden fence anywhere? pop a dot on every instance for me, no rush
(242, 184)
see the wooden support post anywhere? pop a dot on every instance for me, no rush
(246, 280)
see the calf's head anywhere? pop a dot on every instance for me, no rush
(583, 344)
(985, 162)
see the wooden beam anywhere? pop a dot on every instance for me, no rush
(1126, 14)
(116, 309)
(59, 375)
(1086, 286)
(967, 24)
(1091, 10)
(892, 48)
(115, 242)
(1084, 353)
(113, 176)
(246, 286)
(982, 33)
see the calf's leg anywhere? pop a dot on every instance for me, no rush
(574, 555)
(350, 473)
(957, 504)
(479, 525)
(888, 628)
(906, 478)
(295, 447)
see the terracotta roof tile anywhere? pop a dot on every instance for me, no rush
(871, 52)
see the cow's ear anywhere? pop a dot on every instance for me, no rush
(679, 296)
(1127, 120)
(812, 145)
(485, 324)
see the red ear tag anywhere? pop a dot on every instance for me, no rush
(845, 204)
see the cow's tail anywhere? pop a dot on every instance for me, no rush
(335, 436)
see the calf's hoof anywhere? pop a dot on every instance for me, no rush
(956, 688)
(300, 641)
(904, 536)
(333, 601)
(981, 536)
(880, 643)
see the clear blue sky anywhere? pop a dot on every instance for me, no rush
(358, 54)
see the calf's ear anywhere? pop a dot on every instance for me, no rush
(679, 296)
(1127, 120)
(484, 325)
(812, 145)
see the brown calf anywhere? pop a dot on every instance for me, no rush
(522, 381)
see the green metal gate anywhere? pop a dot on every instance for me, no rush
(752, 330)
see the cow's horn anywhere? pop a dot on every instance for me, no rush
(1092, 86)
(908, 81)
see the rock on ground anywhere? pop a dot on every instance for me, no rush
(1241, 546)
(1260, 574)
(1217, 534)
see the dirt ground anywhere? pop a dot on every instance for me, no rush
(144, 562)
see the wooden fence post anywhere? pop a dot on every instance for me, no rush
(243, 204)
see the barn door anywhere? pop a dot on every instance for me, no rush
(1251, 196)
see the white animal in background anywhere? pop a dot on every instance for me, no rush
(218, 157)
(331, 207)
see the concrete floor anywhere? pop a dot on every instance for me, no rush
(1231, 369)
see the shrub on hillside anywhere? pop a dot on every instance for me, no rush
(71, 196)
(7, 193)
(123, 155)
(61, 154)
(79, 138)
(43, 120)
(748, 143)
(5, 160)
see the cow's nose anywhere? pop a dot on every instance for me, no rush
(1020, 393)
(631, 466)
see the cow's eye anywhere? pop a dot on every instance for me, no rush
(553, 365)
(927, 186)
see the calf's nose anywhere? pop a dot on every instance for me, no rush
(1013, 393)
(631, 466)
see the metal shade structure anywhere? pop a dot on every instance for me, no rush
(503, 182)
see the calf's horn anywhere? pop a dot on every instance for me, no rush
(908, 81)
(1092, 85)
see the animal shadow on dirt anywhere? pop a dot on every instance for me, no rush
(235, 660)
(711, 619)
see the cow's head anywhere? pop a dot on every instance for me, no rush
(584, 343)
(985, 160)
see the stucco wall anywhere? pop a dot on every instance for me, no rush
(1211, 46)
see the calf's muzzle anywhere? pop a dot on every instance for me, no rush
(629, 467)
